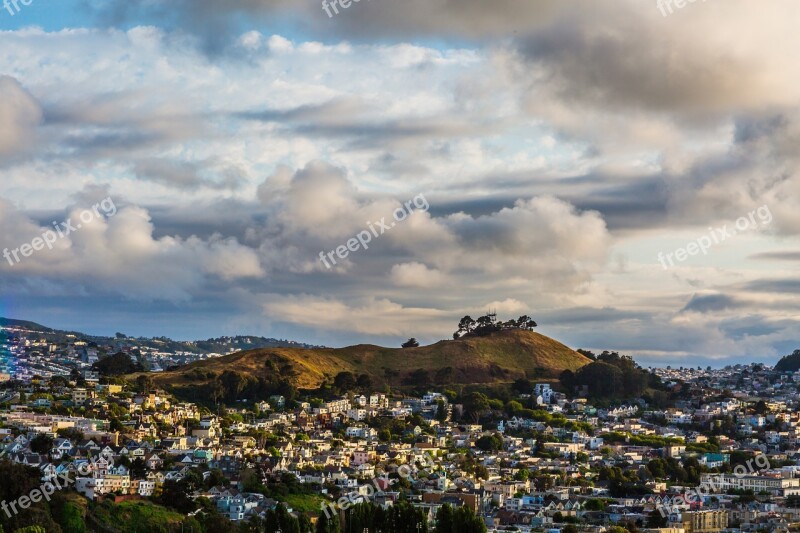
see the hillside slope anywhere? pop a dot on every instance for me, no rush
(500, 357)
(789, 363)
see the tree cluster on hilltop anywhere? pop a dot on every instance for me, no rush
(411, 343)
(488, 324)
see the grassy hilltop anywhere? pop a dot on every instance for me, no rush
(499, 357)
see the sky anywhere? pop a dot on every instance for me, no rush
(625, 172)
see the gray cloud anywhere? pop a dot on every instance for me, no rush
(216, 25)
(187, 175)
(559, 144)
(779, 286)
(606, 65)
(777, 256)
(20, 117)
(711, 303)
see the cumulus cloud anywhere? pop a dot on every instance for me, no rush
(543, 240)
(370, 317)
(20, 117)
(216, 26)
(417, 275)
(118, 252)
(555, 142)
(709, 303)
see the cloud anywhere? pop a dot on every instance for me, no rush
(417, 275)
(605, 66)
(372, 316)
(710, 303)
(185, 175)
(779, 286)
(217, 26)
(542, 234)
(777, 256)
(241, 139)
(20, 117)
(508, 307)
(118, 253)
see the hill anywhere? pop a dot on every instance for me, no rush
(789, 363)
(162, 344)
(499, 357)
(22, 324)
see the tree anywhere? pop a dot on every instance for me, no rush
(364, 382)
(513, 407)
(656, 520)
(18, 481)
(465, 326)
(344, 381)
(72, 519)
(327, 524)
(603, 379)
(418, 378)
(233, 384)
(116, 365)
(411, 343)
(444, 519)
(789, 363)
(441, 410)
(522, 386)
(488, 324)
(42, 444)
(490, 443)
(144, 383)
(279, 519)
(522, 475)
(476, 403)
(567, 379)
(216, 390)
(459, 520)
(304, 523)
(58, 381)
(138, 468)
(595, 504)
(174, 494)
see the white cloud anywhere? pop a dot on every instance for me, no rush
(417, 275)
(20, 117)
(547, 140)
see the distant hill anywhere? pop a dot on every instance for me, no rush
(24, 324)
(165, 344)
(789, 363)
(499, 357)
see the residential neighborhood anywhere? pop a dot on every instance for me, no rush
(543, 459)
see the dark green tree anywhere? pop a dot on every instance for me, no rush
(345, 381)
(42, 444)
(328, 525)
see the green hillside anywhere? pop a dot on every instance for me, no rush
(500, 357)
